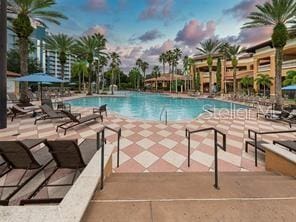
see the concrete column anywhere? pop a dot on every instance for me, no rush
(222, 75)
(256, 64)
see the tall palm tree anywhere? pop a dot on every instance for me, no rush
(177, 57)
(170, 58)
(79, 69)
(224, 55)
(185, 69)
(277, 14)
(156, 73)
(264, 80)
(209, 48)
(101, 62)
(163, 60)
(115, 62)
(233, 52)
(246, 82)
(89, 47)
(144, 67)
(21, 13)
(139, 63)
(63, 45)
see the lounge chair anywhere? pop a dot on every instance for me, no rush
(59, 105)
(289, 144)
(101, 110)
(32, 96)
(17, 155)
(74, 121)
(49, 113)
(67, 155)
(12, 97)
(22, 111)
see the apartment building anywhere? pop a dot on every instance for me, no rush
(258, 59)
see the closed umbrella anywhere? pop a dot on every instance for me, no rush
(40, 78)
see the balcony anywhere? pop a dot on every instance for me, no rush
(264, 68)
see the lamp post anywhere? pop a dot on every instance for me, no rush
(3, 65)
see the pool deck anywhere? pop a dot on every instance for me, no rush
(149, 146)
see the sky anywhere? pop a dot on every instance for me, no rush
(146, 28)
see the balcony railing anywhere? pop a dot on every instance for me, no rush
(289, 64)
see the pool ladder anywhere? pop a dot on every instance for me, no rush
(164, 111)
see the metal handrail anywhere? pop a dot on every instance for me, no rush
(255, 138)
(166, 115)
(216, 146)
(101, 141)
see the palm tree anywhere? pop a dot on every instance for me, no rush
(156, 73)
(170, 58)
(177, 56)
(21, 13)
(290, 78)
(139, 63)
(233, 52)
(101, 63)
(163, 60)
(80, 68)
(63, 46)
(277, 14)
(246, 82)
(209, 48)
(115, 62)
(144, 67)
(89, 47)
(264, 80)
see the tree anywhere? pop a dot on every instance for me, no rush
(63, 45)
(101, 63)
(246, 82)
(170, 58)
(79, 69)
(134, 76)
(155, 74)
(139, 63)
(187, 65)
(209, 48)
(264, 80)
(163, 59)
(13, 62)
(233, 52)
(144, 67)
(21, 13)
(88, 47)
(290, 78)
(277, 14)
(176, 57)
(218, 74)
(115, 62)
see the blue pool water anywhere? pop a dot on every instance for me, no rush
(149, 106)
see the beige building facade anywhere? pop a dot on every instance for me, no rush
(259, 59)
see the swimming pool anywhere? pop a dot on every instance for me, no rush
(148, 106)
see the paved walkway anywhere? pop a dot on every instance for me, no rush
(156, 147)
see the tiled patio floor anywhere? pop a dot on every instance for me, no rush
(155, 147)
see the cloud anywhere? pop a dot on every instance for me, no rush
(96, 29)
(194, 32)
(248, 37)
(243, 8)
(96, 4)
(157, 9)
(158, 49)
(148, 36)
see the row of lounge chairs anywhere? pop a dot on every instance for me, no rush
(17, 155)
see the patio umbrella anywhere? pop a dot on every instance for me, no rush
(40, 78)
(291, 88)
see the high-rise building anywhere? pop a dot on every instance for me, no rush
(48, 60)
